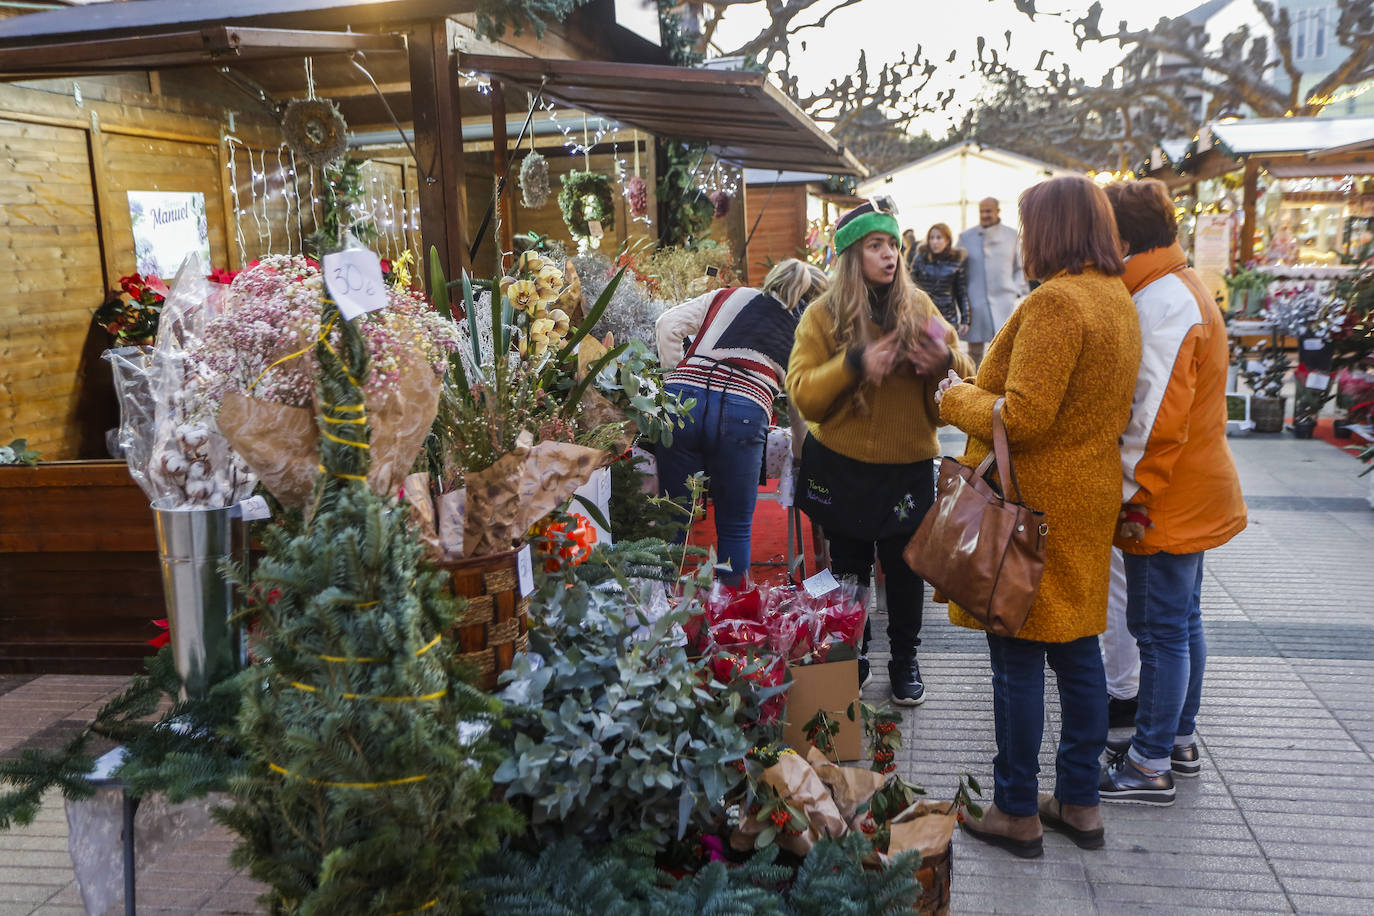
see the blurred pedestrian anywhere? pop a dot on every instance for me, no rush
(864, 370)
(1065, 363)
(995, 275)
(940, 269)
(1180, 492)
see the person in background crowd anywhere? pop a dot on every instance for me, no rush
(909, 244)
(734, 369)
(1180, 492)
(1065, 363)
(864, 369)
(940, 270)
(995, 277)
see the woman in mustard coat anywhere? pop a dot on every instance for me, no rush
(1066, 362)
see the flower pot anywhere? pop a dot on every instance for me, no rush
(1267, 414)
(494, 626)
(1341, 429)
(936, 873)
(1303, 429)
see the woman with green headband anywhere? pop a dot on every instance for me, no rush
(866, 362)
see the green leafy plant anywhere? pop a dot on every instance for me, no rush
(586, 196)
(18, 452)
(613, 729)
(494, 16)
(633, 382)
(684, 211)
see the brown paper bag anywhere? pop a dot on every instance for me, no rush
(796, 782)
(851, 787)
(927, 826)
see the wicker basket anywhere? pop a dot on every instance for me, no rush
(495, 625)
(1267, 414)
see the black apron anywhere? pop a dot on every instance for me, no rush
(860, 500)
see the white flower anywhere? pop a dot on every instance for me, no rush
(7, 455)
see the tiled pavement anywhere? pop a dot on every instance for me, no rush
(1282, 819)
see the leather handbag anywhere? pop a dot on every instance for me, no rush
(981, 548)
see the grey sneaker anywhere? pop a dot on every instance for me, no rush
(1183, 759)
(1123, 781)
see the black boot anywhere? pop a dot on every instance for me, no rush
(907, 687)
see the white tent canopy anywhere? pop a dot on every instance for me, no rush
(945, 186)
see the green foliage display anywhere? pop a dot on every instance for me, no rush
(617, 732)
(685, 213)
(346, 188)
(586, 196)
(494, 16)
(635, 514)
(361, 793)
(634, 382)
(180, 752)
(568, 879)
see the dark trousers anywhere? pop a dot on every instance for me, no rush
(905, 590)
(1018, 712)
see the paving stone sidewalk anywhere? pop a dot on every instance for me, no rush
(1282, 819)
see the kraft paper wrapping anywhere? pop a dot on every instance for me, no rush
(927, 826)
(281, 444)
(799, 785)
(850, 787)
(422, 513)
(598, 411)
(505, 500)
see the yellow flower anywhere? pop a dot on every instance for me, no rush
(549, 281)
(529, 261)
(523, 295)
(561, 322)
(540, 328)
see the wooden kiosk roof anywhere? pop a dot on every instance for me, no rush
(743, 117)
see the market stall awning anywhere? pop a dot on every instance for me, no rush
(739, 115)
(1291, 136)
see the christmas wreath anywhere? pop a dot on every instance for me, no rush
(315, 131)
(586, 196)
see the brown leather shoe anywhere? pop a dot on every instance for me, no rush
(1020, 836)
(1080, 823)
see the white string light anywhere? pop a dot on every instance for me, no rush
(232, 143)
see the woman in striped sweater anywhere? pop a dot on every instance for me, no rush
(734, 368)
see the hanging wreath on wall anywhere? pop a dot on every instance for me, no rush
(534, 181)
(586, 196)
(315, 131)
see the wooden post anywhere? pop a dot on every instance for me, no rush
(438, 148)
(1247, 226)
(500, 155)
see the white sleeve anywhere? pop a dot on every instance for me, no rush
(679, 322)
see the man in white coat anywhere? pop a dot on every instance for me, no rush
(995, 277)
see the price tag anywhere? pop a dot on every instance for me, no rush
(594, 228)
(1313, 343)
(1317, 380)
(254, 509)
(354, 280)
(525, 567)
(822, 583)
(1255, 366)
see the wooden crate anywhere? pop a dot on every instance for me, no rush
(79, 575)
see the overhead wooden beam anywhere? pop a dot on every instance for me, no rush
(439, 147)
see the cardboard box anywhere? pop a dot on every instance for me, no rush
(831, 686)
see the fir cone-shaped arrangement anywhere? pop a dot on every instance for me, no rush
(720, 203)
(534, 181)
(637, 197)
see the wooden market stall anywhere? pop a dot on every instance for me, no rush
(168, 96)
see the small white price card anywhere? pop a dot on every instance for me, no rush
(254, 509)
(822, 583)
(1254, 365)
(1313, 343)
(1317, 380)
(524, 564)
(594, 228)
(354, 280)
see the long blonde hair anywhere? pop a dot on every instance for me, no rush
(846, 299)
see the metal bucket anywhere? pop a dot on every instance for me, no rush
(193, 544)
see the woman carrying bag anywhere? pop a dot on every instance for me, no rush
(1066, 364)
(868, 357)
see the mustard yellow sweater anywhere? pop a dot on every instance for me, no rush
(899, 424)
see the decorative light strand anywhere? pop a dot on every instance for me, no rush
(233, 143)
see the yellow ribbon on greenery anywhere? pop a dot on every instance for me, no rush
(338, 658)
(406, 780)
(376, 699)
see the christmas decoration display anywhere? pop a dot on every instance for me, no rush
(637, 197)
(720, 202)
(131, 316)
(315, 131)
(586, 196)
(534, 181)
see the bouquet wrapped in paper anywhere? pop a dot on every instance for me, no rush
(258, 359)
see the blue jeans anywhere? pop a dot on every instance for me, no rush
(1018, 711)
(724, 437)
(1164, 614)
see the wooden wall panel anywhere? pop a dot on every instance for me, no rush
(147, 164)
(781, 231)
(50, 267)
(277, 208)
(394, 206)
